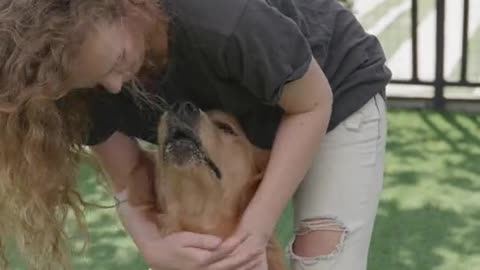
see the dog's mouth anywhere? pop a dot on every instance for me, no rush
(183, 147)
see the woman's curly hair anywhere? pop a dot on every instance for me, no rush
(42, 124)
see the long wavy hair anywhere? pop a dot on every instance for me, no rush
(42, 124)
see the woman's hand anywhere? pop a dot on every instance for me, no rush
(244, 250)
(183, 250)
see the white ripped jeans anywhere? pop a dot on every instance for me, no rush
(342, 189)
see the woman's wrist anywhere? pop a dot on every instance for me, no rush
(121, 197)
(138, 222)
(257, 225)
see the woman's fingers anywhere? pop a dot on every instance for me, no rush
(202, 241)
(239, 260)
(226, 248)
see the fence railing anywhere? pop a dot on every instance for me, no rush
(439, 82)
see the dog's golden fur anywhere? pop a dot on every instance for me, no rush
(189, 195)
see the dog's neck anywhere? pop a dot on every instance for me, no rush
(194, 201)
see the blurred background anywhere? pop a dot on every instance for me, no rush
(429, 216)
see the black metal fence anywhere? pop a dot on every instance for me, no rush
(439, 82)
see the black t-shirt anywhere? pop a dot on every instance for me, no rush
(236, 55)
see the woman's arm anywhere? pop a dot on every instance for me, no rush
(307, 103)
(127, 167)
(119, 157)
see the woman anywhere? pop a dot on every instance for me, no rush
(302, 76)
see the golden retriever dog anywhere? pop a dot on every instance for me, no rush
(207, 171)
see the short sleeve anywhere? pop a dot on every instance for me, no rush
(114, 112)
(265, 51)
(102, 120)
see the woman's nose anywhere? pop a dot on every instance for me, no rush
(113, 83)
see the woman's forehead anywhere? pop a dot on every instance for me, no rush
(102, 42)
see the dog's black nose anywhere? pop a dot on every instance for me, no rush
(184, 108)
(186, 111)
(188, 108)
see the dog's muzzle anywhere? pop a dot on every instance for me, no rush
(182, 144)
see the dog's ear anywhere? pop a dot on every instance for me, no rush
(261, 158)
(261, 161)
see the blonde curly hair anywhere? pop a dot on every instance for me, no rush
(42, 124)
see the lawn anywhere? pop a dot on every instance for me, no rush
(429, 216)
(430, 210)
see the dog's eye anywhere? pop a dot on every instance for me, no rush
(226, 128)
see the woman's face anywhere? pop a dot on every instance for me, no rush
(110, 56)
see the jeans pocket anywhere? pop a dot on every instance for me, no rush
(363, 129)
(365, 121)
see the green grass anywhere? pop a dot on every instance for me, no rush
(429, 216)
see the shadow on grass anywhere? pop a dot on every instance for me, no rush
(420, 236)
(429, 216)
(413, 234)
(425, 144)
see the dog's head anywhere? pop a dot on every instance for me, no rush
(206, 155)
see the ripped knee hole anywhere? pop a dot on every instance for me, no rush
(319, 237)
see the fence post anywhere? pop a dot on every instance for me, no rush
(414, 26)
(464, 63)
(439, 99)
